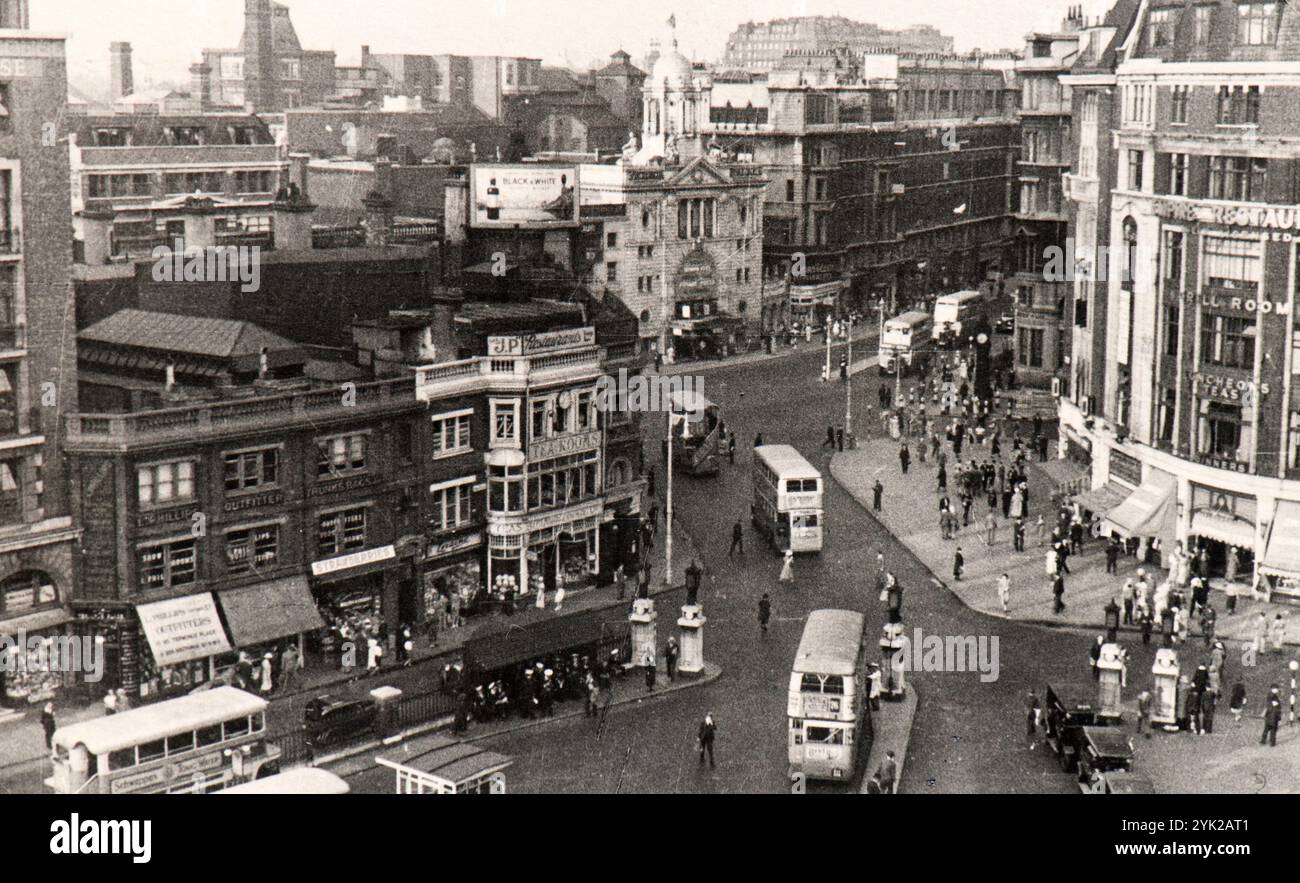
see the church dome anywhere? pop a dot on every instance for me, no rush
(673, 67)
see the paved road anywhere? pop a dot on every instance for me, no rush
(968, 735)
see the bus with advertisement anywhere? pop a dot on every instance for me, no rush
(697, 432)
(195, 744)
(787, 506)
(829, 727)
(958, 314)
(904, 341)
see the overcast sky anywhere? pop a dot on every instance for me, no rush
(167, 35)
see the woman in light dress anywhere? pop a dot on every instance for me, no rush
(787, 568)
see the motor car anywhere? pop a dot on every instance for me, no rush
(1118, 782)
(1103, 750)
(1005, 324)
(329, 720)
(1064, 720)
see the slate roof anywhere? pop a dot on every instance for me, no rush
(192, 335)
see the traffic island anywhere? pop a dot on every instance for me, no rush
(891, 731)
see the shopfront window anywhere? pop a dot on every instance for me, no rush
(168, 565)
(506, 488)
(252, 549)
(340, 531)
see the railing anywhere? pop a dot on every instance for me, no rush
(338, 237)
(415, 234)
(247, 239)
(197, 419)
(139, 246)
(433, 381)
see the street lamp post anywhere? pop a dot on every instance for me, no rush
(848, 393)
(668, 509)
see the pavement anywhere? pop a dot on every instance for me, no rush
(910, 512)
(24, 762)
(863, 333)
(892, 732)
(1229, 760)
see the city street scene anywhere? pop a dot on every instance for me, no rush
(541, 399)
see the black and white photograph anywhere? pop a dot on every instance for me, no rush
(557, 399)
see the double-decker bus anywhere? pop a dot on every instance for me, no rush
(697, 432)
(906, 337)
(787, 507)
(829, 724)
(194, 744)
(958, 314)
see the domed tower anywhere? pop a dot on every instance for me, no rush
(673, 102)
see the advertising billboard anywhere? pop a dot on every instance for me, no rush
(527, 196)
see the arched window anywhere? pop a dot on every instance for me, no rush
(620, 473)
(27, 590)
(1130, 251)
(645, 217)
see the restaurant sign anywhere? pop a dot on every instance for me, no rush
(544, 342)
(1228, 389)
(1285, 220)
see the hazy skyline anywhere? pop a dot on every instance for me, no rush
(168, 35)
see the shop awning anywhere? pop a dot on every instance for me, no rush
(1282, 556)
(1065, 475)
(267, 611)
(532, 634)
(1146, 510)
(181, 629)
(1103, 499)
(1232, 531)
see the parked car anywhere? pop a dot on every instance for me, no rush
(1065, 720)
(1119, 782)
(1006, 324)
(329, 720)
(1103, 750)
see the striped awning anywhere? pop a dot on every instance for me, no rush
(1147, 509)
(1282, 555)
(1066, 476)
(1232, 531)
(1103, 499)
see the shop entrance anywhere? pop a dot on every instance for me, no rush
(1225, 561)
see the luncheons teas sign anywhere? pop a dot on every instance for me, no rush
(526, 196)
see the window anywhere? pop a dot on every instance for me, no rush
(1201, 17)
(1029, 353)
(505, 422)
(251, 469)
(1172, 322)
(1165, 413)
(185, 135)
(103, 186)
(1231, 263)
(160, 483)
(1239, 178)
(562, 481)
(611, 271)
(177, 183)
(451, 433)
(253, 182)
(1173, 258)
(452, 503)
(340, 531)
(1238, 105)
(611, 240)
(1135, 170)
(11, 491)
(506, 488)
(1178, 104)
(1160, 28)
(1228, 342)
(1256, 24)
(1220, 430)
(789, 190)
(819, 189)
(168, 565)
(1293, 444)
(1178, 166)
(252, 549)
(25, 591)
(340, 455)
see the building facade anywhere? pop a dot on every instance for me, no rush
(37, 351)
(1198, 413)
(757, 46)
(269, 70)
(1043, 319)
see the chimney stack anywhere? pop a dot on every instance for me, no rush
(201, 85)
(121, 78)
(13, 14)
(260, 92)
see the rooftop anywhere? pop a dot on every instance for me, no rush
(192, 335)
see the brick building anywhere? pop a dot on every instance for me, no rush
(269, 70)
(37, 347)
(757, 46)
